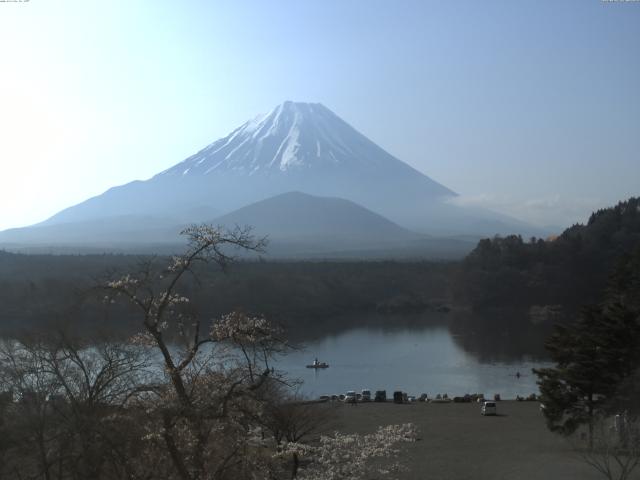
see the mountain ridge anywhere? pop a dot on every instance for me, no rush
(298, 225)
(295, 215)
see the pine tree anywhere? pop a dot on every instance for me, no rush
(597, 358)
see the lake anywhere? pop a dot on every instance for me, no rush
(428, 359)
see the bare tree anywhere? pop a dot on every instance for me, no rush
(615, 448)
(27, 420)
(294, 419)
(67, 398)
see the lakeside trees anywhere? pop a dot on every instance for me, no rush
(184, 399)
(519, 276)
(78, 410)
(593, 357)
(615, 448)
(39, 290)
(596, 379)
(62, 408)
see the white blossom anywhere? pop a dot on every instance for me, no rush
(343, 456)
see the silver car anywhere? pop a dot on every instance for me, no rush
(488, 408)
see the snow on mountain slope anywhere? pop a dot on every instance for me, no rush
(293, 138)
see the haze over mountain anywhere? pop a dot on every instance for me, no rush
(297, 147)
(299, 216)
(296, 224)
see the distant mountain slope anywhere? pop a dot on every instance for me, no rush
(297, 225)
(291, 216)
(298, 216)
(119, 230)
(296, 147)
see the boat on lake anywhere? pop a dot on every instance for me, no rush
(317, 364)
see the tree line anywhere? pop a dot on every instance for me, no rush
(36, 290)
(548, 280)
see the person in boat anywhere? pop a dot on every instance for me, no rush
(315, 362)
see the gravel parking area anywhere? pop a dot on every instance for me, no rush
(456, 442)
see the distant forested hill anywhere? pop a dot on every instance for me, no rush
(550, 279)
(304, 296)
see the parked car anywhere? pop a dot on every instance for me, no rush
(324, 398)
(423, 398)
(488, 408)
(411, 399)
(334, 397)
(397, 397)
(350, 397)
(366, 395)
(463, 399)
(381, 396)
(441, 399)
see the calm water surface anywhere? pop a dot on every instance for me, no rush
(416, 360)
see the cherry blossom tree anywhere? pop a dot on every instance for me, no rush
(217, 379)
(352, 456)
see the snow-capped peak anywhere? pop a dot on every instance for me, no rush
(293, 136)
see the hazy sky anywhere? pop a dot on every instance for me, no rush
(530, 108)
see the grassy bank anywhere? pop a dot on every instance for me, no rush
(456, 442)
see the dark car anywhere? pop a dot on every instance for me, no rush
(398, 397)
(381, 396)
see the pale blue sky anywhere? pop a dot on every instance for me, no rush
(530, 108)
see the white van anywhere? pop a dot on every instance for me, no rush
(488, 408)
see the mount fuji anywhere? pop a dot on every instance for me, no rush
(297, 147)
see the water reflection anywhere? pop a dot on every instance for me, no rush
(498, 339)
(429, 358)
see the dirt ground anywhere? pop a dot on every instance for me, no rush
(457, 443)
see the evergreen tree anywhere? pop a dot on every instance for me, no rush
(597, 358)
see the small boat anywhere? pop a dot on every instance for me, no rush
(317, 364)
